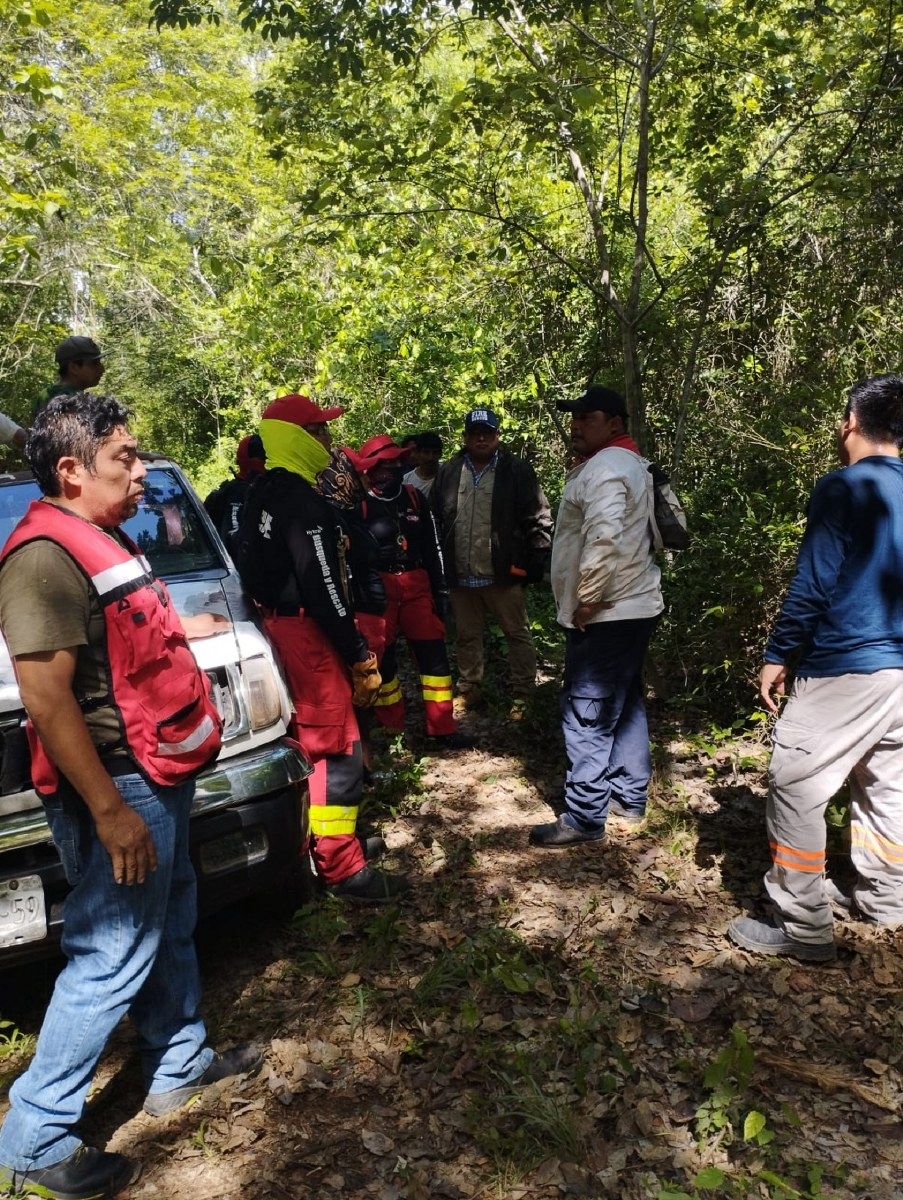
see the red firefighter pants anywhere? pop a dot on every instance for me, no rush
(410, 611)
(326, 727)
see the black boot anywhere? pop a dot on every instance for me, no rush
(241, 1060)
(373, 847)
(87, 1174)
(563, 833)
(367, 886)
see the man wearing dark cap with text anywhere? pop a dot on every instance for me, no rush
(79, 361)
(606, 588)
(291, 555)
(495, 528)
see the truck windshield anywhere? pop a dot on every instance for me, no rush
(167, 527)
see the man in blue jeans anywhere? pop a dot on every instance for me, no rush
(607, 593)
(120, 722)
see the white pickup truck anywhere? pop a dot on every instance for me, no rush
(249, 819)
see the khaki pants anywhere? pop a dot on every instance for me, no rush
(844, 726)
(505, 602)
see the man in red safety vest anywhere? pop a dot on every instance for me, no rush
(120, 722)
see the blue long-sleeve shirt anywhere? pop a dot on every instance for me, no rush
(844, 609)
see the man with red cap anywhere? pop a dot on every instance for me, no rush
(290, 552)
(225, 502)
(398, 525)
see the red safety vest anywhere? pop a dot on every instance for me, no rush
(169, 723)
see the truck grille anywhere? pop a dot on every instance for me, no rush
(15, 761)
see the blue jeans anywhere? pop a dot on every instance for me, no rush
(604, 720)
(130, 949)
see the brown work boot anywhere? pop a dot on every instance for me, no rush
(467, 699)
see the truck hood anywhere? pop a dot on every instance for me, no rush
(190, 596)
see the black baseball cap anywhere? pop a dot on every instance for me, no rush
(428, 440)
(481, 416)
(596, 398)
(77, 349)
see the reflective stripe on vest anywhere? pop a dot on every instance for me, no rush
(192, 742)
(128, 575)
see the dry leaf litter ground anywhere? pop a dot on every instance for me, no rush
(530, 1023)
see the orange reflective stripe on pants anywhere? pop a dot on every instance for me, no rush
(844, 726)
(798, 860)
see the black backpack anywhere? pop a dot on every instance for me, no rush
(669, 526)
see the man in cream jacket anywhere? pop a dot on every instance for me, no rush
(607, 593)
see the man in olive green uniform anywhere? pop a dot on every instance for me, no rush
(80, 364)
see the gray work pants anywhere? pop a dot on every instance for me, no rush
(844, 726)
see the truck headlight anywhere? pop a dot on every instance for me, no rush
(261, 692)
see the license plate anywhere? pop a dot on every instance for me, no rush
(234, 851)
(23, 914)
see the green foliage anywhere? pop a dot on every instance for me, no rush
(523, 1121)
(495, 958)
(415, 210)
(323, 926)
(532, 1090)
(725, 1116)
(13, 1042)
(16, 1048)
(727, 1079)
(396, 779)
(714, 1182)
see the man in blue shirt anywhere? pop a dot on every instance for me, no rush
(840, 632)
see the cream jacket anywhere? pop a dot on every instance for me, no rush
(603, 548)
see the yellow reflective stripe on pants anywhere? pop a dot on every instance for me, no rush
(436, 687)
(389, 693)
(882, 848)
(331, 820)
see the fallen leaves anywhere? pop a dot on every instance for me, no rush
(586, 996)
(376, 1142)
(830, 1080)
(694, 1007)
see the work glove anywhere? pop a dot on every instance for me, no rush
(442, 605)
(366, 682)
(538, 566)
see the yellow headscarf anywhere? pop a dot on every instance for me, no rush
(289, 446)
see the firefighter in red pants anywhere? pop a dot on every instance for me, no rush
(398, 523)
(289, 553)
(344, 486)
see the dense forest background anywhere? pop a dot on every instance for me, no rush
(413, 210)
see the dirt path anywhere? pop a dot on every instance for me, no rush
(536, 1023)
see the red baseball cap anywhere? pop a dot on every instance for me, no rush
(250, 455)
(378, 449)
(299, 410)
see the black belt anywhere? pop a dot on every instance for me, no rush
(118, 764)
(401, 568)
